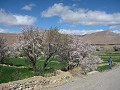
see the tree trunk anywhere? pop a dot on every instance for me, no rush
(33, 62)
(34, 66)
(2, 60)
(46, 61)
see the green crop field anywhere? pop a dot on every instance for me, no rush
(17, 72)
(10, 73)
(104, 55)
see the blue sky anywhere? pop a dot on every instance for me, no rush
(70, 16)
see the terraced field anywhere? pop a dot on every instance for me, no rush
(20, 68)
(104, 55)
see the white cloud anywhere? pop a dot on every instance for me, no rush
(116, 31)
(28, 7)
(3, 30)
(79, 16)
(115, 27)
(78, 32)
(9, 19)
(55, 10)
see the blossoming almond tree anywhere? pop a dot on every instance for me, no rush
(55, 43)
(79, 54)
(83, 54)
(70, 49)
(3, 49)
(31, 40)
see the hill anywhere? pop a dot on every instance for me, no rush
(97, 38)
(10, 37)
(103, 37)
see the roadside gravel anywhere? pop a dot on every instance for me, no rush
(108, 80)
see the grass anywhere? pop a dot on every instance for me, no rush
(8, 74)
(54, 62)
(56, 65)
(104, 67)
(17, 61)
(104, 55)
(11, 74)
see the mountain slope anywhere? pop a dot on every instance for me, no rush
(103, 37)
(10, 37)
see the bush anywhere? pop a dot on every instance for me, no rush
(116, 48)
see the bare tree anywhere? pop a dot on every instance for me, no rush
(31, 40)
(3, 49)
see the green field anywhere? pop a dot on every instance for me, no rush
(10, 74)
(104, 55)
(14, 73)
(54, 62)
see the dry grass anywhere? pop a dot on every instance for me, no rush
(76, 72)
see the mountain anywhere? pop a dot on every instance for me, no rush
(103, 37)
(10, 37)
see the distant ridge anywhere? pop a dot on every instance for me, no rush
(103, 37)
(10, 37)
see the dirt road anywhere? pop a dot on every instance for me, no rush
(108, 80)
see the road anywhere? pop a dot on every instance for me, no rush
(108, 80)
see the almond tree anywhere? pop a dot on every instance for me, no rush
(31, 40)
(72, 51)
(3, 49)
(14, 49)
(79, 54)
(82, 53)
(55, 43)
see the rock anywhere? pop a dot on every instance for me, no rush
(54, 81)
(37, 87)
(92, 72)
(37, 82)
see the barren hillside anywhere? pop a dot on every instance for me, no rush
(10, 37)
(104, 37)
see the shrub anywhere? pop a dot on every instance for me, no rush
(116, 48)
